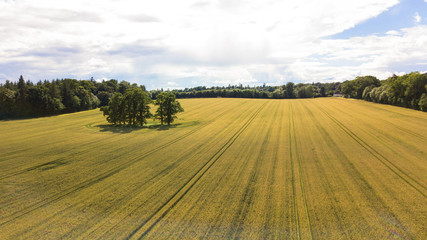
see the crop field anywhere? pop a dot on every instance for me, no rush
(327, 168)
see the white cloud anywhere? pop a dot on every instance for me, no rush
(212, 42)
(372, 55)
(417, 17)
(393, 32)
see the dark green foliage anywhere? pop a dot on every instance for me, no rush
(130, 108)
(7, 102)
(423, 102)
(356, 87)
(303, 91)
(405, 91)
(24, 99)
(289, 90)
(168, 107)
(22, 90)
(104, 98)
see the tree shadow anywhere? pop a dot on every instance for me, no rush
(129, 129)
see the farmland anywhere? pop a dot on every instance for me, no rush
(327, 168)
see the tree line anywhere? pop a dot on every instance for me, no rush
(27, 99)
(289, 90)
(409, 90)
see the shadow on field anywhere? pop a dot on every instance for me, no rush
(129, 129)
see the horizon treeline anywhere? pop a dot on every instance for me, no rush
(289, 90)
(409, 90)
(23, 99)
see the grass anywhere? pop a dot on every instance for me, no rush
(326, 168)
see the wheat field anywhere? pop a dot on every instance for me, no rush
(327, 168)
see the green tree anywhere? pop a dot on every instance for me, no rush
(114, 110)
(22, 89)
(290, 90)
(131, 108)
(7, 102)
(423, 102)
(168, 107)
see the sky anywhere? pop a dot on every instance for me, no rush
(177, 44)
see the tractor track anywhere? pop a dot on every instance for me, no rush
(365, 188)
(98, 178)
(386, 162)
(292, 133)
(145, 227)
(249, 193)
(92, 181)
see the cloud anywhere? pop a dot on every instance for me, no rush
(371, 55)
(393, 32)
(201, 43)
(135, 50)
(417, 17)
(142, 18)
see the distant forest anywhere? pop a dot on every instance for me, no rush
(27, 99)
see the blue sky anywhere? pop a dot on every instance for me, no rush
(178, 44)
(402, 15)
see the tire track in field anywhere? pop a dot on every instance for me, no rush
(85, 144)
(72, 232)
(365, 188)
(61, 160)
(92, 181)
(383, 121)
(386, 162)
(87, 234)
(249, 193)
(267, 233)
(380, 106)
(98, 178)
(90, 232)
(292, 132)
(57, 163)
(294, 194)
(145, 227)
(328, 186)
(217, 223)
(214, 225)
(46, 130)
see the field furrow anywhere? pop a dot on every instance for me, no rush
(327, 168)
(392, 167)
(306, 229)
(161, 212)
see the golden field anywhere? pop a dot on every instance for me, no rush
(327, 168)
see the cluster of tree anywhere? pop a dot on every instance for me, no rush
(409, 90)
(289, 90)
(26, 99)
(132, 108)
